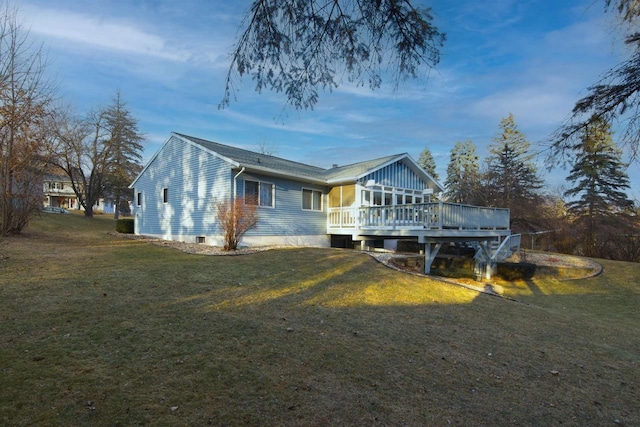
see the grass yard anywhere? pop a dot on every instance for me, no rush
(97, 329)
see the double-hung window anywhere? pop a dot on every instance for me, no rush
(311, 200)
(259, 193)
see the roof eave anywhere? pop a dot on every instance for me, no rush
(425, 173)
(187, 141)
(144, 169)
(342, 180)
(280, 174)
(411, 163)
(382, 165)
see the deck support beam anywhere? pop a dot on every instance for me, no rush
(431, 249)
(489, 265)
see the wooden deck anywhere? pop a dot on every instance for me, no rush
(435, 221)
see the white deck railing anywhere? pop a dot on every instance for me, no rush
(435, 216)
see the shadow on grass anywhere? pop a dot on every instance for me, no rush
(137, 334)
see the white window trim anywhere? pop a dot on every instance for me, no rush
(273, 192)
(312, 191)
(385, 190)
(165, 195)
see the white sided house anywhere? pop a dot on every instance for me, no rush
(384, 199)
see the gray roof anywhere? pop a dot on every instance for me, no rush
(56, 177)
(356, 170)
(279, 166)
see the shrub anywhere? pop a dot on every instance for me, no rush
(125, 225)
(236, 217)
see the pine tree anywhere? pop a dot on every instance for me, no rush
(615, 95)
(599, 202)
(124, 140)
(299, 47)
(463, 174)
(511, 179)
(427, 163)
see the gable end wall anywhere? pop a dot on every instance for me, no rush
(194, 180)
(397, 175)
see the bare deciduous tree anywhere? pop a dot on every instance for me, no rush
(99, 153)
(83, 156)
(25, 97)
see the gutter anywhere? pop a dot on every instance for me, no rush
(280, 174)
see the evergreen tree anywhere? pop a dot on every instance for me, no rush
(427, 163)
(511, 179)
(463, 173)
(615, 95)
(124, 140)
(598, 176)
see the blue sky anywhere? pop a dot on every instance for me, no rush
(169, 60)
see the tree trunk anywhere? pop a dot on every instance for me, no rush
(116, 208)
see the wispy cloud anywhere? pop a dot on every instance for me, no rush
(310, 126)
(109, 34)
(386, 91)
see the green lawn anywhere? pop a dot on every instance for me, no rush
(97, 329)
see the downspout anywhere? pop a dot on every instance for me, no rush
(233, 198)
(235, 183)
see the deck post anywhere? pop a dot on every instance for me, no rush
(430, 254)
(490, 263)
(367, 245)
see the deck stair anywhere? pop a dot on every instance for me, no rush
(489, 254)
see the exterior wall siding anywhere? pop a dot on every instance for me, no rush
(397, 175)
(287, 218)
(195, 180)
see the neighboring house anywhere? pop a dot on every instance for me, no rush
(58, 193)
(383, 199)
